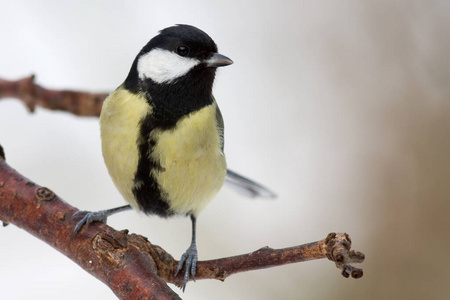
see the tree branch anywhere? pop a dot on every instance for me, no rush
(32, 95)
(113, 257)
(128, 263)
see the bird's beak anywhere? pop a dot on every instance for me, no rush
(218, 60)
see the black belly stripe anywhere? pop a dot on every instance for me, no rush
(147, 192)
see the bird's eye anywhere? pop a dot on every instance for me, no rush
(182, 50)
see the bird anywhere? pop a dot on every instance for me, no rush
(162, 134)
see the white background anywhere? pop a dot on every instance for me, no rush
(340, 107)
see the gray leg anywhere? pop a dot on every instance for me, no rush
(189, 258)
(95, 216)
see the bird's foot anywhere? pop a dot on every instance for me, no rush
(96, 216)
(189, 260)
(89, 217)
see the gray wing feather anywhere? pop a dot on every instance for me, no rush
(247, 187)
(220, 126)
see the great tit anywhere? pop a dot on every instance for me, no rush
(163, 135)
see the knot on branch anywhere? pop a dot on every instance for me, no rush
(43, 193)
(111, 247)
(24, 89)
(28, 92)
(338, 250)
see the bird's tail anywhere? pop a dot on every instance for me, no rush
(247, 187)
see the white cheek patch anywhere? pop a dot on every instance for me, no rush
(163, 66)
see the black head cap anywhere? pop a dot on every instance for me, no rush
(200, 44)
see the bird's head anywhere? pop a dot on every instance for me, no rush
(177, 53)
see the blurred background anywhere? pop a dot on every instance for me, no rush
(341, 107)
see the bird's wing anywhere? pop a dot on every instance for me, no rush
(247, 187)
(220, 126)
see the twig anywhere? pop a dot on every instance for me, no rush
(128, 263)
(32, 95)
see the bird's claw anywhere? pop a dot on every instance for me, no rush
(189, 260)
(89, 217)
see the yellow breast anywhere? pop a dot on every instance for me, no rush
(119, 127)
(193, 164)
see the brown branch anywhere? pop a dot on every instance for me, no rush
(113, 257)
(32, 95)
(128, 263)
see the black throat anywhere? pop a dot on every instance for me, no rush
(172, 101)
